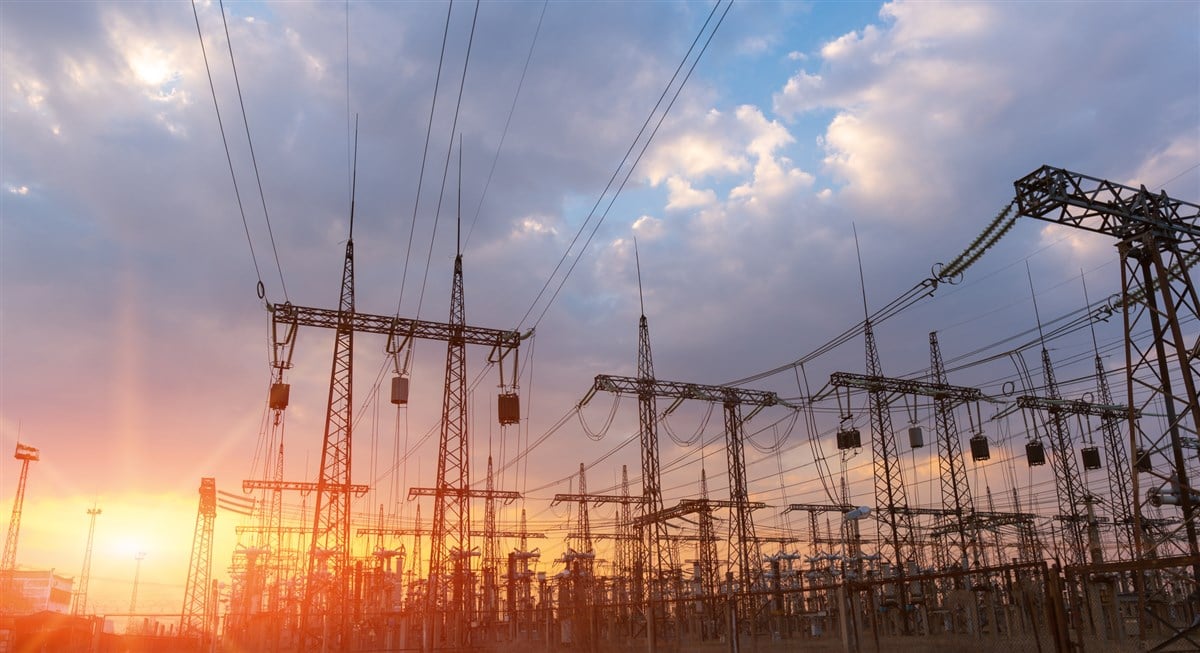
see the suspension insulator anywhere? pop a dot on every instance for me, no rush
(980, 450)
(1035, 453)
(1141, 460)
(278, 397)
(916, 437)
(400, 390)
(849, 439)
(508, 407)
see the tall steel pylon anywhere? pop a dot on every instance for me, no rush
(956, 492)
(8, 564)
(451, 529)
(652, 557)
(890, 497)
(324, 616)
(194, 621)
(1068, 486)
(80, 607)
(1158, 242)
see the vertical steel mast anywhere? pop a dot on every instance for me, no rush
(956, 493)
(86, 573)
(324, 620)
(26, 454)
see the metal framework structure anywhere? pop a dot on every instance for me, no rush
(1068, 486)
(1120, 496)
(1158, 241)
(80, 607)
(890, 499)
(742, 541)
(26, 454)
(325, 614)
(194, 619)
(956, 492)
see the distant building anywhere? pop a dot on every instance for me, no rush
(43, 591)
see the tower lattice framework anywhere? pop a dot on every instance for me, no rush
(194, 620)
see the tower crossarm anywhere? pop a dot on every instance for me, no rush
(680, 390)
(1077, 407)
(691, 506)
(512, 534)
(259, 529)
(507, 496)
(500, 340)
(904, 386)
(819, 507)
(1065, 197)
(303, 487)
(597, 499)
(986, 520)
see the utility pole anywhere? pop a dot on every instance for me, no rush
(85, 575)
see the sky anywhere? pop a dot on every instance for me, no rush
(135, 350)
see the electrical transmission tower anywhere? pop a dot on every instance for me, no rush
(1068, 486)
(1120, 497)
(86, 573)
(584, 524)
(137, 575)
(890, 496)
(8, 564)
(195, 619)
(743, 544)
(956, 493)
(325, 596)
(1158, 241)
(325, 614)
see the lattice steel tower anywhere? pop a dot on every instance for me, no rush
(956, 492)
(194, 620)
(326, 589)
(80, 607)
(451, 529)
(26, 454)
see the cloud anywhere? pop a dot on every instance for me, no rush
(936, 97)
(648, 228)
(681, 195)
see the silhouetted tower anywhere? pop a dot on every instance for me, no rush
(708, 542)
(890, 497)
(1069, 487)
(86, 574)
(652, 558)
(956, 493)
(325, 613)
(584, 541)
(624, 548)
(26, 454)
(1120, 486)
(196, 610)
(491, 549)
(137, 575)
(451, 529)
(1157, 240)
(417, 534)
